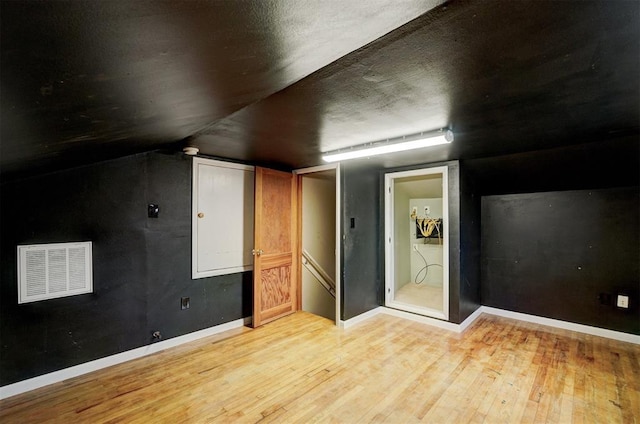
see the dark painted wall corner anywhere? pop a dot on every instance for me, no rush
(362, 269)
(470, 210)
(564, 255)
(142, 265)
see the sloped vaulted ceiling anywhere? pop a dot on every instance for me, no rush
(277, 82)
(83, 81)
(505, 76)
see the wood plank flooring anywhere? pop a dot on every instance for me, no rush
(303, 369)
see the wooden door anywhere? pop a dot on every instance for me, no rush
(274, 270)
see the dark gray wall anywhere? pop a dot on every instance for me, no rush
(362, 284)
(141, 265)
(553, 254)
(610, 162)
(469, 245)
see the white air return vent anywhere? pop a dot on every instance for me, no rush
(47, 271)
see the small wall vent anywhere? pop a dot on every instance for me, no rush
(48, 271)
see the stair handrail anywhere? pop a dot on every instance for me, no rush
(321, 275)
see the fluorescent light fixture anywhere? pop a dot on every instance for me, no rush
(417, 141)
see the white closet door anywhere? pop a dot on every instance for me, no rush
(222, 218)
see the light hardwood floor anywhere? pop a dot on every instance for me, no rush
(303, 369)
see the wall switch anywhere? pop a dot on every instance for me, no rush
(185, 303)
(153, 210)
(623, 301)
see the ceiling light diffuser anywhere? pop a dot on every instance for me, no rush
(417, 141)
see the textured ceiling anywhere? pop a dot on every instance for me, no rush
(277, 82)
(83, 81)
(506, 77)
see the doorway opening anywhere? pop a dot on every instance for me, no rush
(417, 240)
(319, 275)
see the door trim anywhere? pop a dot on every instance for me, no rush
(389, 254)
(299, 173)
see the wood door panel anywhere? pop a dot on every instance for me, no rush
(276, 212)
(276, 260)
(276, 287)
(275, 313)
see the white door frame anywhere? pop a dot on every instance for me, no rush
(389, 241)
(322, 168)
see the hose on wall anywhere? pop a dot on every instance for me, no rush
(424, 269)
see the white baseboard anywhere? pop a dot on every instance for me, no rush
(401, 314)
(362, 317)
(470, 319)
(446, 325)
(77, 370)
(458, 328)
(579, 328)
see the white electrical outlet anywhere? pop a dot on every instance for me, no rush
(427, 210)
(623, 301)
